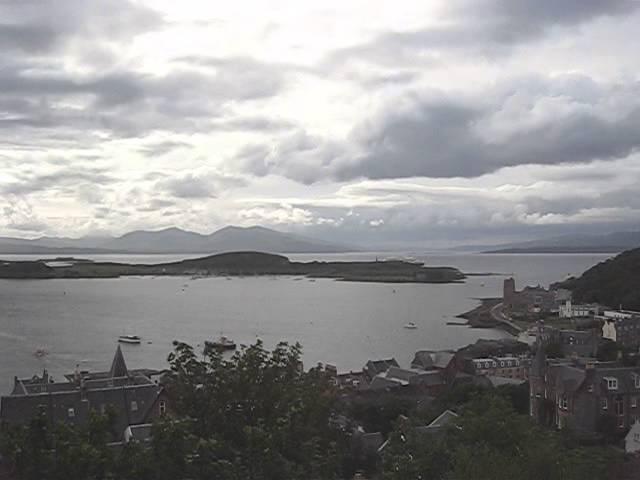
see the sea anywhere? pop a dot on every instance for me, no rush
(77, 322)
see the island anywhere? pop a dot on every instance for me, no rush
(236, 264)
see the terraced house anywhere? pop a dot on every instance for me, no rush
(583, 394)
(132, 395)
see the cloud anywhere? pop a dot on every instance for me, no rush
(64, 179)
(200, 185)
(526, 120)
(43, 26)
(484, 27)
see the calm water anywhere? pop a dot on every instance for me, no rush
(78, 321)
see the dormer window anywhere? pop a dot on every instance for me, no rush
(612, 383)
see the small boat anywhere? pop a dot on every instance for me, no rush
(133, 339)
(41, 352)
(224, 343)
(411, 326)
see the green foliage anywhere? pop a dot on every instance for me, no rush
(254, 416)
(257, 415)
(490, 442)
(553, 350)
(614, 282)
(607, 351)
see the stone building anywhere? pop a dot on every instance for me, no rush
(530, 300)
(131, 395)
(583, 394)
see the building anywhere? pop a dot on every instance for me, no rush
(632, 440)
(583, 394)
(581, 343)
(375, 367)
(443, 361)
(131, 395)
(430, 380)
(621, 326)
(530, 300)
(507, 367)
(568, 310)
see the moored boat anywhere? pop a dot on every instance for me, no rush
(224, 343)
(133, 339)
(411, 326)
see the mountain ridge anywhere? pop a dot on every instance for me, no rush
(176, 240)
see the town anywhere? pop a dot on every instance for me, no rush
(574, 366)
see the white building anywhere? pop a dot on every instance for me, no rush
(568, 310)
(632, 440)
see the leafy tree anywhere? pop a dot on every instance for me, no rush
(490, 442)
(256, 415)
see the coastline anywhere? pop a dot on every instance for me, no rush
(482, 317)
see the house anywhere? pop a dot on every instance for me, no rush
(583, 394)
(437, 426)
(394, 377)
(445, 419)
(131, 395)
(510, 366)
(568, 310)
(582, 343)
(632, 440)
(375, 367)
(443, 361)
(621, 326)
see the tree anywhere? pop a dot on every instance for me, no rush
(256, 415)
(490, 441)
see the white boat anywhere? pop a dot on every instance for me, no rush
(134, 339)
(411, 326)
(224, 343)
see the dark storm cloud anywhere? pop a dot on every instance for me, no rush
(562, 120)
(43, 26)
(441, 139)
(487, 27)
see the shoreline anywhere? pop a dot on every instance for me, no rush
(481, 317)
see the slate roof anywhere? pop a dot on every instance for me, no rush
(444, 419)
(118, 366)
(374, 367)
(130, 394)
(428, 359)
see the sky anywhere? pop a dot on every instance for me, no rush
(426, 123)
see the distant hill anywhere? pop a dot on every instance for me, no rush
(175, 240)
(606, 243)
(614, 282)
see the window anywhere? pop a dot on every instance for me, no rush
(619, 403)
(564, 403)
(605, 404)
(590, 388)
(71, 413)
(634, 402)
(637, 380)
(502, 364)
(134, 406)
(612, 383)
(162, 407)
